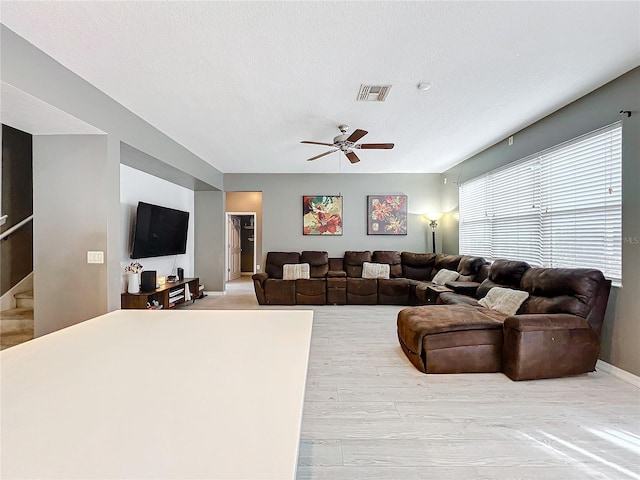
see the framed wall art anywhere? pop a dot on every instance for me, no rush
(386, 215)
(322, 215)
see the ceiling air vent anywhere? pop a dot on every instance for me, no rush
(373, 93)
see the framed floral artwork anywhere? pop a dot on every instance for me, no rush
(322, 215)
(386, 215)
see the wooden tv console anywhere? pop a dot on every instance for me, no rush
(168, 295)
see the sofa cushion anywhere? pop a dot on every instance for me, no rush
(504, 300)
(446, 261)
(469, 266)
(294, 271)
(275, 261)
(417, 266)
(392, 258)
(353, 262)
(561, 290)
(503, 273)
(318, 263)
(444, 276)
(416, 322)
(375, 270)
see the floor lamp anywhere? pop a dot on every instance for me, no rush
(433, 223)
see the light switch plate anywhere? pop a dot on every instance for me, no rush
(95, 257)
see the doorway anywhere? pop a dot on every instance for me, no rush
(241, 244)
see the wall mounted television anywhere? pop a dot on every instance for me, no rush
(159, 231)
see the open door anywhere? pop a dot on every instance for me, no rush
(234, 249)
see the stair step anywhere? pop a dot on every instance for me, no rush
(16, 321)
(24, 299)
(9, 340)
(17, 314)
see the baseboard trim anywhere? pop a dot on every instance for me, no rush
(618, 372)
(215, 293)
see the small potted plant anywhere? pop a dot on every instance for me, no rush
(133, 277)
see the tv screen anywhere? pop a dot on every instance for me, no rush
(159, 231)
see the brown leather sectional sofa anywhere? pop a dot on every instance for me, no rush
(338, 281)
(554, 333)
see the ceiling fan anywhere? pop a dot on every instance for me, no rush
(347, 144)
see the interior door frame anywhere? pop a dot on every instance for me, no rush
(226, 236)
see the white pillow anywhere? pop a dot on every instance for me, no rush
(375, 270)
(294, 271)
(504, 300)
(444, 276)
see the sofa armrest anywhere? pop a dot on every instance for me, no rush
(452, 298)
(464, 288)
(260, 277)
(548, 346)
(336, 274)
(258, 286)
(545, 322)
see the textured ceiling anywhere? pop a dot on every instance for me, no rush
(241, 83)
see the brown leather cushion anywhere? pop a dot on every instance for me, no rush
(393, 291)
(447, 262)
(353, 262)
(275, 261)
(415, 323)
(392, 258)
(311, 286)
(503, 273)
(469, 266)
(417, 266)
(560, 290)
(280, 292)
(318, 263)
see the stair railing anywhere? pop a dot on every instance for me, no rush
(8, 232)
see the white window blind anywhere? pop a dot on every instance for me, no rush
(559, 208)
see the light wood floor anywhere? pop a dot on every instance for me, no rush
(369, 414)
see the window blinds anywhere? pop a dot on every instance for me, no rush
(558, 208)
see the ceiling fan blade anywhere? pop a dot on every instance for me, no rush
(321, 155)
(317, 143)
(385, 146)
(353, 158)
(356, 135)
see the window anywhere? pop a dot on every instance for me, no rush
(557, 208)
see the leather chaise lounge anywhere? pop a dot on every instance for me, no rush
(554, 333)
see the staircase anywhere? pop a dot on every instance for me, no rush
(16, 324)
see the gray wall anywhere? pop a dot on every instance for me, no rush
(209, 242)
(282, 209)
(69, 219)
(621, 331)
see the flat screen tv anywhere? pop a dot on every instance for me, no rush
(159, 231)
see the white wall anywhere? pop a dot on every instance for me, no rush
(137, 186)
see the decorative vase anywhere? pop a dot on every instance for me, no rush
(133, 283)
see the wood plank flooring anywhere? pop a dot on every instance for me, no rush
(369, 414)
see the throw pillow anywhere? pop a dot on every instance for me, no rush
(504, 300)
(375, 270)
(444, 276)
(294, 271)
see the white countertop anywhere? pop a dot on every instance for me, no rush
(158, 394)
